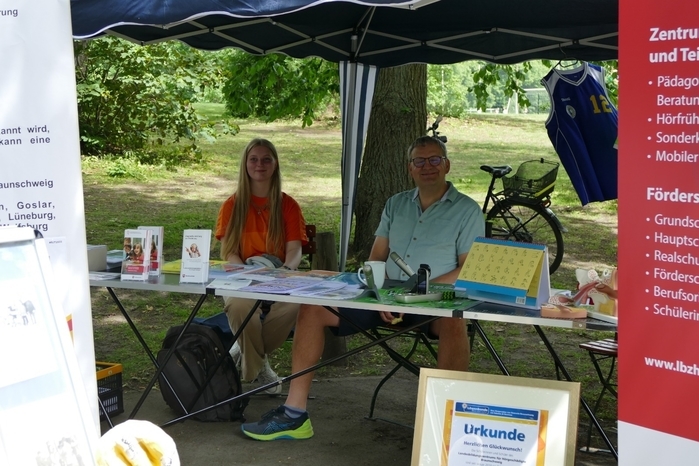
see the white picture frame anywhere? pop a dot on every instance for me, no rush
(45, 414)
(463, 418)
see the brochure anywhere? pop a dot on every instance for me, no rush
(228, 270)
(174, 267)
(280, 286)
(318, 288)
(136, 263)
(228, 284)
(330, 290)
(195, 256)
(267, 275)
(104, 275)
(156, 249)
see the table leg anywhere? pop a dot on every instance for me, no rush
(565, 373)
(490, 347)
(374, 342)
(148, 351)
(168, 355)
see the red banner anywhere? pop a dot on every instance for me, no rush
(659, 216)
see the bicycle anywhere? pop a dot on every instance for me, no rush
(521, 211)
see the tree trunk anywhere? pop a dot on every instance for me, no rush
(398, 117)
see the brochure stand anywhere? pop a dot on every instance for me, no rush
(45, 415)
(195, 256)
(506, 272)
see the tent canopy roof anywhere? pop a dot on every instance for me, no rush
(373, 33)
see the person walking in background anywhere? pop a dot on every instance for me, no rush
(432, 224)
(259, 219)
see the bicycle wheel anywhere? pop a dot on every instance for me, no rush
(528, 223)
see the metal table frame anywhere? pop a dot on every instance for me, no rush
(165, 283)
(481, 312)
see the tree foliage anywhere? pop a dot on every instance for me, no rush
(276, 86)
(131, 98)
(514, 79)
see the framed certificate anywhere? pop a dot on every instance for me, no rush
(469, 419)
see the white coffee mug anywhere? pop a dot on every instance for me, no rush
(378, 270)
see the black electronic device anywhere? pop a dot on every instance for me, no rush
(423, 279)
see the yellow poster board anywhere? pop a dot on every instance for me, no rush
(506, 272)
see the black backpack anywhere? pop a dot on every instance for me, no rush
(200, 356)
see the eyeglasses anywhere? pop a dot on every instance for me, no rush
(419, 162)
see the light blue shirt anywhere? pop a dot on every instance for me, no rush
(436, 236)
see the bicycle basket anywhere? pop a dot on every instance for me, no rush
(534, 179)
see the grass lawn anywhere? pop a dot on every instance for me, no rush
(189, 197)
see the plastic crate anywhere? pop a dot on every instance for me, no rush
(534, 179)
(109, 389)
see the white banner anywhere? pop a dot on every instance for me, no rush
(40, 177)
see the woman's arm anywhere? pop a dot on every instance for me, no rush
(234, 259)
(293, 254)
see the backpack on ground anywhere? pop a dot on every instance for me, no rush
(200, 356)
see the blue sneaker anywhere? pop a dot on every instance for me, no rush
(277, 425)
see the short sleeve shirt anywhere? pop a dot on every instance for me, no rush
(254, 240)
(437, 236)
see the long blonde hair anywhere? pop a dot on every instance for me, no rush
(230, 243)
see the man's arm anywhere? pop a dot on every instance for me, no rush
(450, 277)
(380, 249)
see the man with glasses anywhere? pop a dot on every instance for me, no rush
(432, 224)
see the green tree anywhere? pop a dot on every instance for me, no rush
(511, 80)
(276, 86)
(447, 89)
(132, 97)
(398, 117)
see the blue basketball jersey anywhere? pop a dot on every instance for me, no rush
(583, 126)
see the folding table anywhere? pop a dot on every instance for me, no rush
(164, 283)
(479, 312)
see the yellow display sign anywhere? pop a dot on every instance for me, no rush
(503, 265)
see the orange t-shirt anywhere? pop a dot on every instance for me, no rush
(254, 240)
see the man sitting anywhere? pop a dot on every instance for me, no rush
(432, 224)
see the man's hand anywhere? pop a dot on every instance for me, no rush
(390, 318)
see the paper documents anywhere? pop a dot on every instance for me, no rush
(228, 283)
(280, 285)
(329, 290)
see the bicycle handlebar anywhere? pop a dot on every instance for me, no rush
(433, 129)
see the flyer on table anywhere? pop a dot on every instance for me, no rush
(476, 434)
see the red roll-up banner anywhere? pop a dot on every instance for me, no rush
(658, 232)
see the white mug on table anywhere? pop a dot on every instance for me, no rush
(378, 270)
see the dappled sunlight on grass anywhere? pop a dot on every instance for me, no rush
(115, 319)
